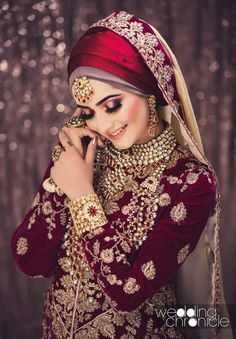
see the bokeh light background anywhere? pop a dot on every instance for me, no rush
(35, 41)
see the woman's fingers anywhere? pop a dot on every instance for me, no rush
(65, 140)
(77, 142)
(76, 134)
(91, 151)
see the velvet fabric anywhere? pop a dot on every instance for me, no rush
(186, 187)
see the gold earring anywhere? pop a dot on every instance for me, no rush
(153, 118)
(75, 121)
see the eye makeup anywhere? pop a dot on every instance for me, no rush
(110, 106)
(86, 116)
(113, 105)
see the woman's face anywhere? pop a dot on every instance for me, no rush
(120, 116)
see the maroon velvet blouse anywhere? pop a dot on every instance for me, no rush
(120, 284)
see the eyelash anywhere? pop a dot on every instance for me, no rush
(117, 105)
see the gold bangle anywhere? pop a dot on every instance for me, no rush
(87, 213)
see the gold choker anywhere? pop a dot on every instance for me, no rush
(159, 148)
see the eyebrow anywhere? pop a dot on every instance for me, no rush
(101, 101)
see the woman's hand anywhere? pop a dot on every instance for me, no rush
(76, 135)
(73, 171)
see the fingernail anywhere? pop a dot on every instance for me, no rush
(94, 140)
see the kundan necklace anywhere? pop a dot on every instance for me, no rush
(133, 160)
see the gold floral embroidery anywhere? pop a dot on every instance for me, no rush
(111, 207)
(50, 210)
(107, 255)
(183, 253)
(174, 180)
(192, 178)
(131, 286)
(22, 246)
(179, 153)
(51, 225)
(65, 264)
(31, 221)
(178, 212)
(96, 247)
(112, 279)
(164, 199)
(36, 200)
(47, 208)
(149, 270)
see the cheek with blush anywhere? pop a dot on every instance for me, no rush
(130, 110)
(137, 112)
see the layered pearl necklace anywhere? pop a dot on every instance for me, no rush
(133, 161)
(153, 151)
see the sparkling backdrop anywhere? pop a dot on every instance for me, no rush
(35, 40)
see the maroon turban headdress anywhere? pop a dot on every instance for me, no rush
(106, 50)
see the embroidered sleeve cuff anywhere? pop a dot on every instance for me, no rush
(87, 213)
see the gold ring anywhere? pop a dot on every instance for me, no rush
(70, 143)
(57, 152)
(75, 121)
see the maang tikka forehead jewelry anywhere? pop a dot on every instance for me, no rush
(82, 89)
(153, 118)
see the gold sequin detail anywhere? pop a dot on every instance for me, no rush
(149, 270)
(22, 246)
(131, 286)
(178, 212)
(183, 253)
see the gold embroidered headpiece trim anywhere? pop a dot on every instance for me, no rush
(82, 89)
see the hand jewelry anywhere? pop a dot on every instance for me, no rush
(57, 152)
(75, 121)
(87, 213)
(69, 143)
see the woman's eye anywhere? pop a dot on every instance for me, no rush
(86, 115)
(113, 106)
